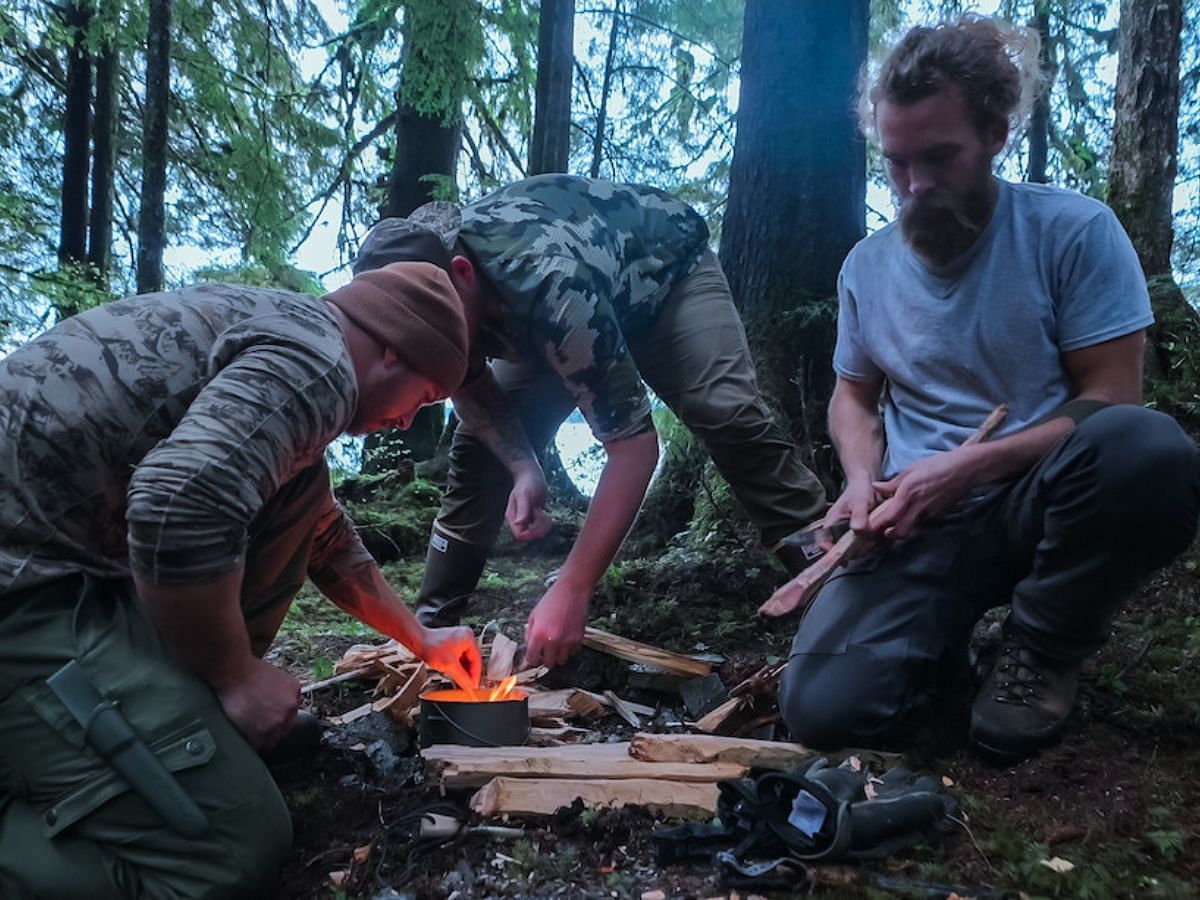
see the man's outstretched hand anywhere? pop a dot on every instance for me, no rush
(454, 653)
(554, 632)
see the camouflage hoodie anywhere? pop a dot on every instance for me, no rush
(576, 266)
(147, 434)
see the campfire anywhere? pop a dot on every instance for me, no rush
(495, 717)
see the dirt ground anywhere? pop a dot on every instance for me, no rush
(1117, 799)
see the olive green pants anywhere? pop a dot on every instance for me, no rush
(696, 359)
(70, 827)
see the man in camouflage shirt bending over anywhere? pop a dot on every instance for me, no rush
(584, 293)
(163, 494)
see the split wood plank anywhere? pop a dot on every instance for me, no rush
(565, 703)
(798, 593)
(501, 658)
(712, 721)
(363, 655)
(404, 701)
(654, 657)
(707, 748)
(542, 796)
(622, 709)
(455, 766)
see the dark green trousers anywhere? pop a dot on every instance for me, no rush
(1064, 545)
(71, 828)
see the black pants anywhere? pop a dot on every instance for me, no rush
(1113, 501)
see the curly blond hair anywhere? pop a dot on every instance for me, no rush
(993, 63)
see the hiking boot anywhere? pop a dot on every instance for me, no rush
(1023, 704)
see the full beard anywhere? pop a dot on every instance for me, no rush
(941, 226)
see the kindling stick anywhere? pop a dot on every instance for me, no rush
(799, 592)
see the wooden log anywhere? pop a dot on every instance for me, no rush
(501, 658)
(542, 796)
(705, 748)
(455, 766)
(636, 651)
(798, 593)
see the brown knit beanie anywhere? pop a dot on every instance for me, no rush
(413, 308)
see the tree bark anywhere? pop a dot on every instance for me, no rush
(1142, 171)
(427, 143)
(1141, 183)
(549, 149)
(152, 210)
(1039, 119)
(797, 197)
(72, 247)
(104, 155)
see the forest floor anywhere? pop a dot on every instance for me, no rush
(1118, 798)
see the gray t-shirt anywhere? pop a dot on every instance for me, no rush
(1052, 272)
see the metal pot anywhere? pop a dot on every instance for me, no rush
(451, 717)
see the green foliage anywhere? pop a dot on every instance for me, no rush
(444, 44)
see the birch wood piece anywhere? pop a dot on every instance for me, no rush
(706, 748)
(542, 796)
(455, 766)
(800, 591)
(501, 658)
(635, 651)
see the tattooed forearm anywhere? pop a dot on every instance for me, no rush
(484, 406)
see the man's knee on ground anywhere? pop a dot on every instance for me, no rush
(832, 701)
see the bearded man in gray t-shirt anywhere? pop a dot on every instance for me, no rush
(983, 293)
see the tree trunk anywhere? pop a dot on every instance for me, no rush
(428, 136)
(152, 210)
(1039, 119)
(72, 247)
(605, 88)
(549, 149)
(1142, 181)
(100, 224)
(797, 197)
(1141, 176)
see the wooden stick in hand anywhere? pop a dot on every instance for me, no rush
(799, 592)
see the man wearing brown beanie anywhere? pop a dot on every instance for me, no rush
(163, 496)
(588, 295)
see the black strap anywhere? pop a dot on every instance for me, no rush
(108, 732)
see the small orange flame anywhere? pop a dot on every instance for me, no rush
(504, 689)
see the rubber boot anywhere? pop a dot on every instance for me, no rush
(452, 570)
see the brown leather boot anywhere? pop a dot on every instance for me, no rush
(1024, 702)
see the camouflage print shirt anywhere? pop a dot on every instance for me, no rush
(146, 434)
(577, 265)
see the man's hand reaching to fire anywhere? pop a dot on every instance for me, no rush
(454, 653)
